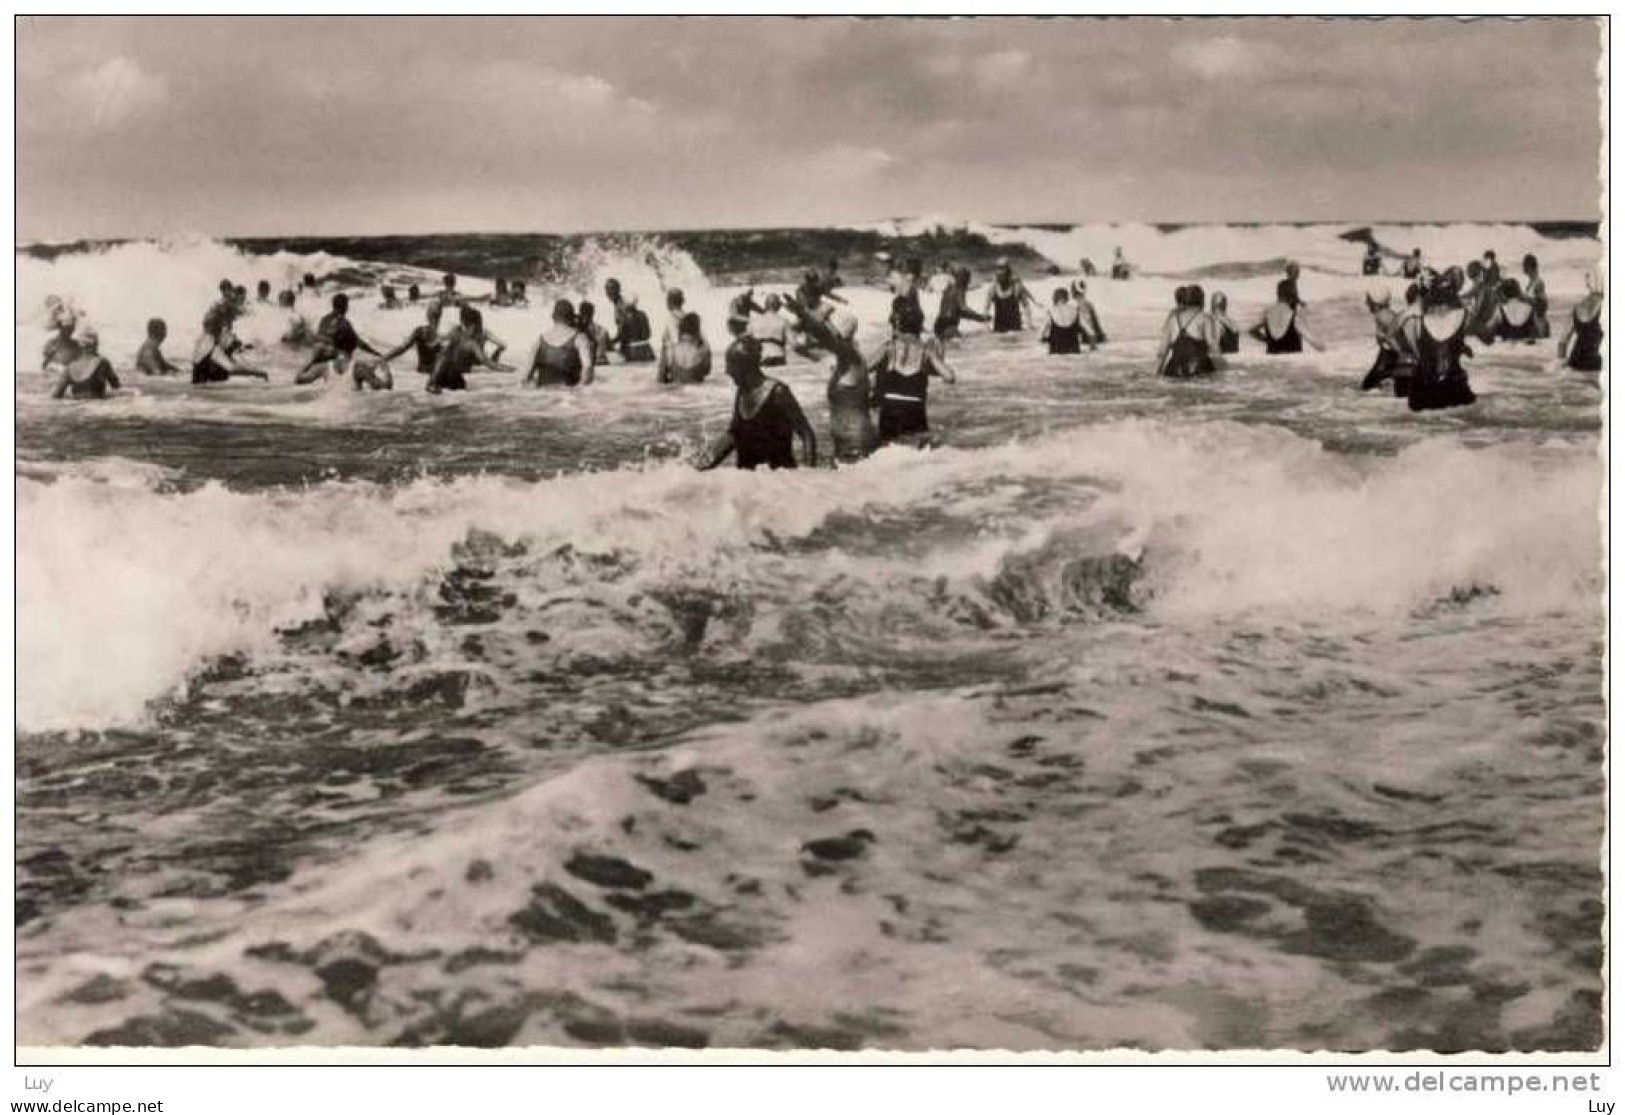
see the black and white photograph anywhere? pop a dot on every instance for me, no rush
(809, 536)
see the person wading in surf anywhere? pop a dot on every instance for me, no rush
(766, 421)
(851, 431)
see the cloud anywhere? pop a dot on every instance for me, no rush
(117, 91)
(1212, 59)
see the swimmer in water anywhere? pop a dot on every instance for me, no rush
(1092, 332)
(597, 336)
(262, 291)
(214, 357)
(852, 431)
(1372, 263)
(501, 296)
(516, 293)
(150, 359)
(463, 351)
(954, 306)
(61, 349)
(563, 356)
(690, 356)
(1514, 319)
(88, 377)
(1229, 333)
(413, 293)
(767, 420)
(390, 302)
(1411, 267)
(668, 334)
(1063, 332)
(425, 339)
(1580, 347)
(1189, 338)
(829, 280)
(903, 371)
(772, 332)
(1007, 300)
(1438, 336)
(296, 331)
(1385, 322)
(336, 345)
(1534, 289)
(1284, 330)
(1120, 267)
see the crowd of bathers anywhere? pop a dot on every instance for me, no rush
(874, 398)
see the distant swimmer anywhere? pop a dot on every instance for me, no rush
(1389, 364)
(1372, 263)
(390, 300)
(1007, 300)
(1283, 330)
(597, 336)
(767, 420)
(462, 353)
(262, 292)
(852, 431)
(1189, 337)
(150, 359)
(1514, 318)
(425, 340)
(516, 293)
(214, 357)
(1411, 266)
(563, 356)
(906, 281)
(1063, 332)
(90, 376)
(1120, 266)
(1439, 339)
(337, 343)
(690, 358)
(1087, 267)
(772, 332)
(413, 293)
(903, 372)
(1534, 289)
(1229, 332)
(1092, 332)
(501, 297)
(1580, 347)
(954, 306)
(448, 293)
(1292, 272)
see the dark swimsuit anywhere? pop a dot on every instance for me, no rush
(1188, 356)
(850, 427)
(557, 365)
(1371, 265)
(1065, 340)
(428, 345)
(1006, 311)
(1506, 331)
(634, 335)
(902, 399)
(1229, 340)
(1585, 350)
(1286, 343)
(1440, 381)
(766, 437)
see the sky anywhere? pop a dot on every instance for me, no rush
(286, 126)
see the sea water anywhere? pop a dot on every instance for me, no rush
(1252, 712)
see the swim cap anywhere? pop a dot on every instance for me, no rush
(88, 336)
